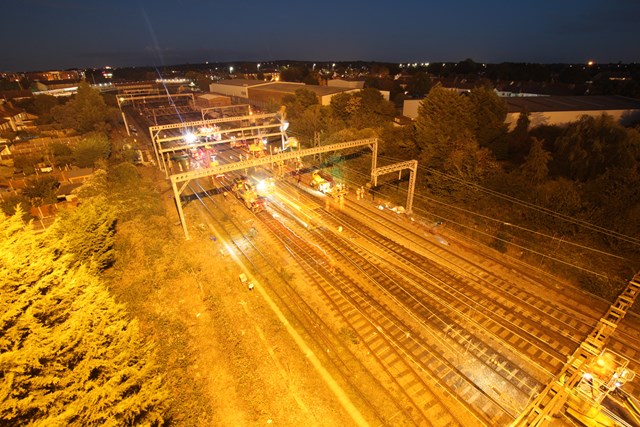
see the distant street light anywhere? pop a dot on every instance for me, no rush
(230, 70)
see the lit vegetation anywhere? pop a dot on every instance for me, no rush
(69, 354)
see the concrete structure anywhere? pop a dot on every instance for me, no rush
(55, 75)
(410, 108)
(209, 100)
(350, 84)
(56, 84)
(260, 93)
(557, 110)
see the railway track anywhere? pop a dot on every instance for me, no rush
(385, 406)
(448, 332)
(524, 328)
(555, 329)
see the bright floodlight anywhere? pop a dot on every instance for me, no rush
(285, 125)
(190, 138)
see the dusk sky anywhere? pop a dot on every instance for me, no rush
(58, 34)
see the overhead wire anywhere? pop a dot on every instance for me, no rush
(524, 248)
(582, 223)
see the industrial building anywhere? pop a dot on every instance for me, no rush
(557, 110)
(260, 93)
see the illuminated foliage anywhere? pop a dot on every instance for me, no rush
(490, 112)
(86, 112)
(445, 135)
(535, 168)
(68, 353)
(91, 149)
(593, 145)
(87, 233)
(41, 190)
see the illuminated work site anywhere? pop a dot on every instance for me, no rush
(461, 336)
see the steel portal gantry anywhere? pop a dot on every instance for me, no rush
(233, 108)
(195, 126)
(186, 177)
(554, 396)
(412, 165)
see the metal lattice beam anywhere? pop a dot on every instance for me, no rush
(551, 400)
(222, 108)
(229, 167)
(412, 165)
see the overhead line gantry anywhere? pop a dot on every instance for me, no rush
(565, 385)
(269, 122)
(185, 177)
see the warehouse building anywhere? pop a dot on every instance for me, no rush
(261, 93)
(557, 110)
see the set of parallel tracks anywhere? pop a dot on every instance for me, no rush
(446, 331)
(392, 410)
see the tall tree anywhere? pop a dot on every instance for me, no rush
(420, 84)
(444, 117)
(370, 109)
(363, 109)
(298, 102)
(591, 145)
(87, 233)
(68, 353)
(490, 112)
(313, 119)
(92, 148)
(519, 138)
(535, 168)
(86, 112)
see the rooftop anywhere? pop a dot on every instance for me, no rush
(285, 87)
(241, 82)
(536, 104)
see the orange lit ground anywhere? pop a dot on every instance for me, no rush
(227, 358)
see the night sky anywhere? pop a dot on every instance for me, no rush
(58, 34)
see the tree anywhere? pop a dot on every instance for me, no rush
(68, 353)
(398, 141)
(298, 102)
(41, 190)
(92, 148)
(591, 145)
(26, 163)
(535, 168)
(419, 85)
(364, 109)
(490, 112)
(87, 233)
(61, 154)
(370, 110)
(444, 117)
(200, 80)
(519, 138)
(339, 107)
(313, 119)
(298, 74)
(42, 106)
(9, 205)
(86, 112)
